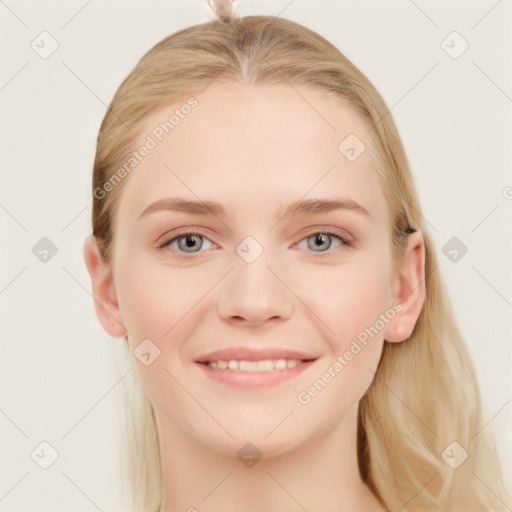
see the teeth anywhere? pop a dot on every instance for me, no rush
(256, 366)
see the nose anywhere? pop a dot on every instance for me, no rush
(254, 293)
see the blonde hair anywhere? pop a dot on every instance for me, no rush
(425, 393)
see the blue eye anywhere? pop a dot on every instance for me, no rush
(323, 240)
(319, 240)
(189, 242)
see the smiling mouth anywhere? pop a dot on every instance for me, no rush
(266, 365)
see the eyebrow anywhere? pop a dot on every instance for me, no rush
(305, 206)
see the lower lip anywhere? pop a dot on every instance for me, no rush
(245, 379)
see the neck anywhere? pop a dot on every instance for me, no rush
(319, 475)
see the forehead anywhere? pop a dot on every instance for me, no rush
(243, 145)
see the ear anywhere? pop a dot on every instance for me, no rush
(104, 293)
(409, 290)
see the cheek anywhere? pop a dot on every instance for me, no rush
(347, 298)
(350, 304)
(153, 298)
(162, 305)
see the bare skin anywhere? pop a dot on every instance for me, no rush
(256, 151)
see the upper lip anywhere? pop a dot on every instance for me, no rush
(252, 354)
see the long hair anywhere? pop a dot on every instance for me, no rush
(424, 403)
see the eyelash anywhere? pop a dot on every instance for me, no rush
(346, 243)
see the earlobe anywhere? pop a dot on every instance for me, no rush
(105, 300)
(409, 290)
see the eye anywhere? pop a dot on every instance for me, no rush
(187, 242)
(322, 239)
(192, 242)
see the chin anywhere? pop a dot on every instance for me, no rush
(252, 444)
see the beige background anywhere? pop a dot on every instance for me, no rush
(58, 382)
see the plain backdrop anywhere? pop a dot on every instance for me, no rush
(58, 384)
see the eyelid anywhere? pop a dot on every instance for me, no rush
(179, 232)
(329, 230)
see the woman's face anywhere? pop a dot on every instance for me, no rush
(252, 279)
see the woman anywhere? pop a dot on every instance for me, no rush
(272, 376)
